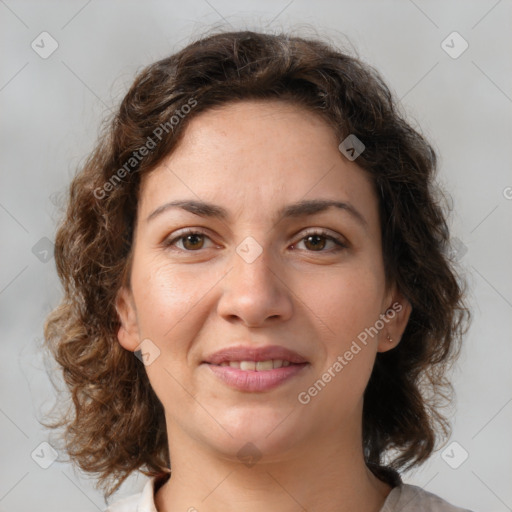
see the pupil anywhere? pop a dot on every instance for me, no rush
(318, 238)
(194, 238)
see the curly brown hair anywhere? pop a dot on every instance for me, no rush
(115, 424)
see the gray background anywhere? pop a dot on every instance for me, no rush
(50, 113)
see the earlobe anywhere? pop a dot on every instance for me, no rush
(128, 333)
(397, 316)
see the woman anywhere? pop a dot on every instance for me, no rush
(258, 298)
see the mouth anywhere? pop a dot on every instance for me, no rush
(255, 369)
(255, 376)
(254, 358)
(258, 366)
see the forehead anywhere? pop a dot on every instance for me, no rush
(254, 154)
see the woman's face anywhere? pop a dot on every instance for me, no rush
(267, 267)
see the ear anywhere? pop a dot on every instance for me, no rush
(128, 334)
(395, 320)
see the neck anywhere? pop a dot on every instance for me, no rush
(326, 475)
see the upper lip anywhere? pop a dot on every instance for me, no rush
(249, 353)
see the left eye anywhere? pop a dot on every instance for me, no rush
(317, 240)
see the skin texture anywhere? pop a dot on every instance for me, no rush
(253, 158)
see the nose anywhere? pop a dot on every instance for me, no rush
(255, 293)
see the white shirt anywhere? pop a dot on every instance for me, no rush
(403, 498)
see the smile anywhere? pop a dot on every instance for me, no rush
(258, 366)
(252, 376)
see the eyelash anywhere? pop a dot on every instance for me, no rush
(313, 232)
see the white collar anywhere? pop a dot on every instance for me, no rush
(147, 497)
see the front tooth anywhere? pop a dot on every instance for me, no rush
(234, 364)
(247, 365)
(278, 363)
(264, 365)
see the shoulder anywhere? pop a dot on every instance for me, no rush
(410, 498)
(140, 502)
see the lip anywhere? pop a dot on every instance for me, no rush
(254, 381)
(251, 353)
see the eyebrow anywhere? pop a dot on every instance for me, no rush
(299, 209)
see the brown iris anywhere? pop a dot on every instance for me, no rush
(193, 238)
(317, 238)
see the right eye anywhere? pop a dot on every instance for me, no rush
(191, 239)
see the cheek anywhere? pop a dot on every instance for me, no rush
(346, 300)
(347, 303)
(165, 297)
(169, 308)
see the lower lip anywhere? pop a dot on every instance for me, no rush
(248, 380)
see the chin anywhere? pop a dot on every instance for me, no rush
(256, 428)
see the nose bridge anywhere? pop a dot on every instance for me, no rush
(253, 265)
(253, 290)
